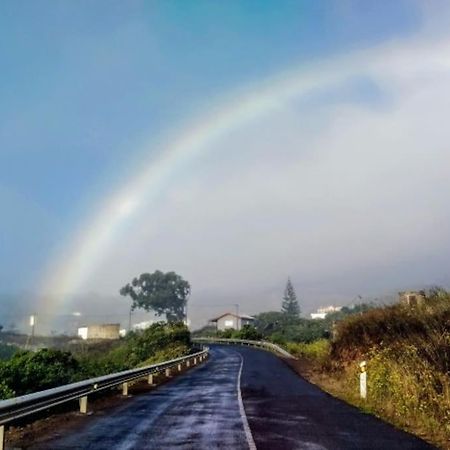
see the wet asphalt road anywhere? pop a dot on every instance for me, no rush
(201, 410)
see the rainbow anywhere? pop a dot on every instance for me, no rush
(68, 270)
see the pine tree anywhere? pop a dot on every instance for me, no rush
(290, 304)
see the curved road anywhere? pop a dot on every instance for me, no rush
(203, 409)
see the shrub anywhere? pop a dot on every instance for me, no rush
(248, 332)
(407, 350)
(28, 372)
(318, 351)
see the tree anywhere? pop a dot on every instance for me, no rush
(290, 304)
(163, 293)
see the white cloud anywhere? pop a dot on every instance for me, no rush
(367, 187)
(317, 189)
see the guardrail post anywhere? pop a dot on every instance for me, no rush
(195, 361)
(125, 389)
(150, 380)
(179, 367)
(168, 372)
(363, 380)
(83, 404)
(2, 437)
(188, 363)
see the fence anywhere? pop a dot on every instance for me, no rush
(259, 344)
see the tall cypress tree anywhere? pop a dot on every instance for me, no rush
(290, 304)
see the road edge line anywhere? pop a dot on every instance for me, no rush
(247, 431)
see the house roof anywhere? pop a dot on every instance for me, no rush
(241, 316)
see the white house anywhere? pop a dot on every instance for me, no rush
(229, 321)
(322, 312)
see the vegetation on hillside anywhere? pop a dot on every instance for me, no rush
(28, 371)
(407, 350)
(286, 326)
(282, 328)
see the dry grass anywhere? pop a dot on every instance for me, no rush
(408, 363)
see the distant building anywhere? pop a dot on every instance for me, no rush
(103, 331)
(229, 321)
(142, 325)
(322, 312)
(412, 298)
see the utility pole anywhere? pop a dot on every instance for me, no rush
(129, 318)
(31, 336)
(238, 321)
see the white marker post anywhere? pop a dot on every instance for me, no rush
(363, 380)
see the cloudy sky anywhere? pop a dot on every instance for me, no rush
(236, 143)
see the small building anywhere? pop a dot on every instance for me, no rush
(142, 325)
(323, 312)
(230, 321)
(103, 331)
(412, 298)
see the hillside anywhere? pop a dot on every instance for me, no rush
(407, 350)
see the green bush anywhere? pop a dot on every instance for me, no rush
(28, 372)
(137, 347)
(317, 351)
(248, 332)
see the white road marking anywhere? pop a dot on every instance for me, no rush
(247, 431)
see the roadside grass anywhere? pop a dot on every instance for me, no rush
(407, 351)
(319, 350)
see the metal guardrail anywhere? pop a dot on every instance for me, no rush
(18, 407)
(259, 344)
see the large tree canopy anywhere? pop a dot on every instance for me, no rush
(163, 293)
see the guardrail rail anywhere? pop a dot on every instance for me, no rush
(259, 344)
(18, 407)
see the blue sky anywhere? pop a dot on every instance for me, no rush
(86, 86)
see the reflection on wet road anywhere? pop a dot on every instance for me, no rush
(202, 409)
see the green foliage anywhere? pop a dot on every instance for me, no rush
(281, 328)
(163, 293)
(136, 348)
(248, 332)
(226, 334)
(318, 351)
(142, 345)
(290, 305)
(28, 372)
(5, 391)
